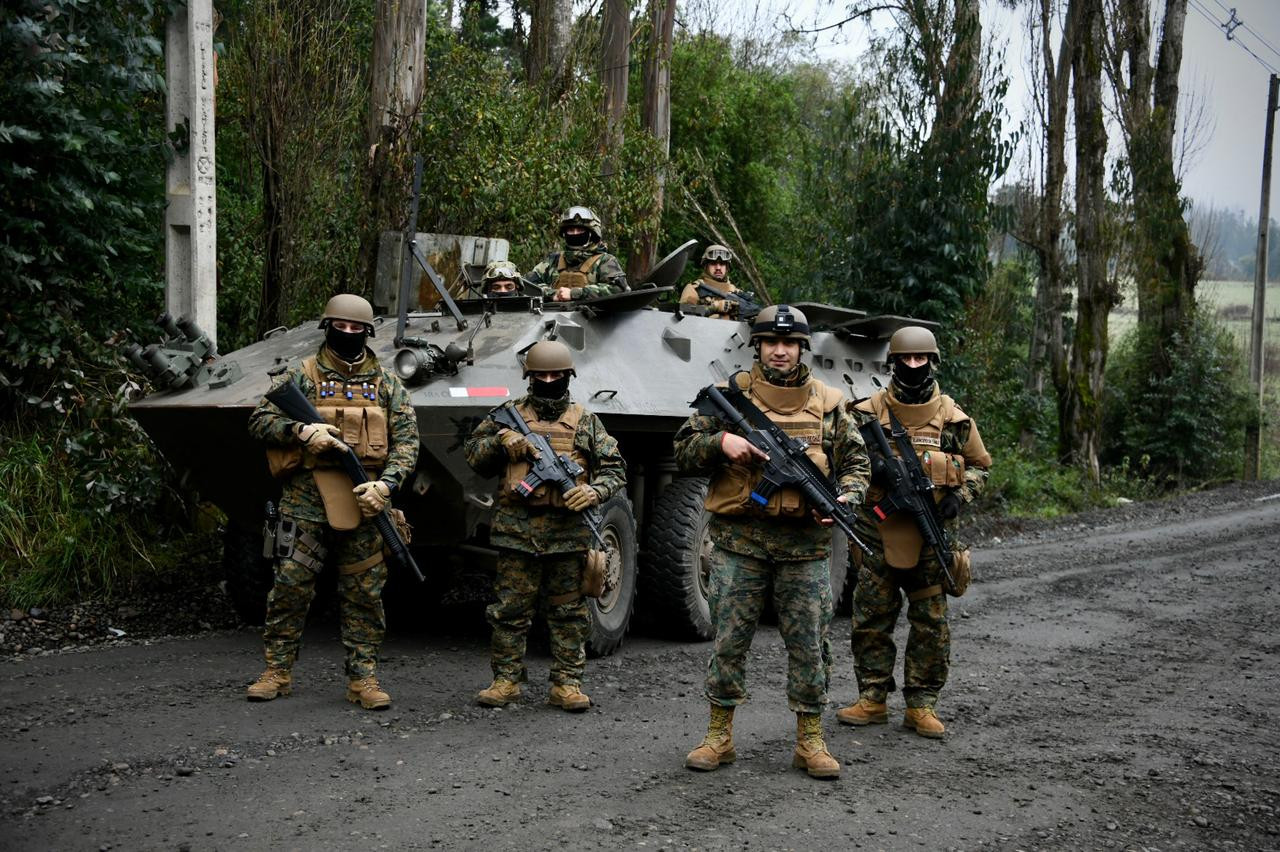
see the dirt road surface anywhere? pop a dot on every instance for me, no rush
(1113, 685)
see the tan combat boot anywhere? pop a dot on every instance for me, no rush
(500, 693)
(270, 684)
(864, 711)
(569, 698)
(717, 745)
(924, 722)
(368, 694)
(811, 752)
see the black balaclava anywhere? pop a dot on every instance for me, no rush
(347, 345)
(578, 241)
(550, 390)
(913, 385)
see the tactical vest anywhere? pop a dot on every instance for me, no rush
(352, 407)
(706, 299)
(924, 423)
(579, 276)
(799, 411)
(560, 434)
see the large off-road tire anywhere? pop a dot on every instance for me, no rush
(611, 613)
(676, 561)
(246, 574)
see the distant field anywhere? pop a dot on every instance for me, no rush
(1232, 299)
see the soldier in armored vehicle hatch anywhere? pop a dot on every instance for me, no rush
(585, 269)
(713, 289)
(501, 280)
(364, 406)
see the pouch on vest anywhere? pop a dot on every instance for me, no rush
(579, 277)
(340, 507)
(593, 574)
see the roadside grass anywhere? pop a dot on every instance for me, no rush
(1033, 485)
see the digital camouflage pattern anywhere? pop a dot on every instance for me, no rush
(878, 595)
(791, 555)
(517, 526)
(300, 498)
(802, 597)
(605, 278)
(360, 599)
(520, 577)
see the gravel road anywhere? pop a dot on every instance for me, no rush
(1113, 686)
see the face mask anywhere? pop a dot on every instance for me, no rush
(550, 390)
(912, 377)
(347, 345)
(577, 240)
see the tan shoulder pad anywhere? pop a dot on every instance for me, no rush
(831, 397)
(952, 411)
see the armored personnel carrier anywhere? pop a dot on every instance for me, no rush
(640, 359)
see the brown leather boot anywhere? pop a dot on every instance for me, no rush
(500, 693)
(924, 722)
(864, 711)
(811, 752)
(717, 745)
(569, 698)
(368, 694)
(270, 684)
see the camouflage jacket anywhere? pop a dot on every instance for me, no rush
(547, 529)
(300, 497)
(697, 445)
(605, 278)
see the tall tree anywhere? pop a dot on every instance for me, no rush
(1080, 402)
(550, 24)
(615, 60)
(656, 119)
(397, 79)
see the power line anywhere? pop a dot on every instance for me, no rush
(1235, 21)
(1229, 29)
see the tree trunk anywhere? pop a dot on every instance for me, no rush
(397, 80)
(1080, 408)
(551, 22)
(615, 59)
(656, 119)
(269, 311)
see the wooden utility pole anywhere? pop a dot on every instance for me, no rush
(191, 231)
(1253, 434)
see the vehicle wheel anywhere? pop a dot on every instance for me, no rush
(677, 561)
(246, 574)
(611, 613)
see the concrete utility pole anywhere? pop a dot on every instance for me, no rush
(1257, 346)
(191, 230)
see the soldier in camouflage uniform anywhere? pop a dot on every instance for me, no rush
(778, 545)
(501, 280)
(585, 269)
(364, 406)
(541, 540)
(715, 274)
(951, 453)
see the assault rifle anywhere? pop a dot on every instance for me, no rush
(555, 471)
(290, 399)
(909, 490)
(787, 465)
(748, 307)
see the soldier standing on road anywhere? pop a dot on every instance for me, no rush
(501, 280)
(542, 541)
(715, 274)
(364, 406)
(777, 545)
(951, 454)
(585, 269)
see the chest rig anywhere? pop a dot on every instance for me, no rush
(799, 411)
(578, 276)
(560, 434)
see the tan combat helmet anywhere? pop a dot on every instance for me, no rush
(349, 307)
(500, 270)
(547, 356)
(716, 252)
(586, 218)
(781, 321)
(914, 340)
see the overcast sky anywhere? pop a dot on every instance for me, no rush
(1218, 75)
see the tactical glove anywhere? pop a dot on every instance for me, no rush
(517, 445)
(320, 437)
(581, 497)
(949, 506)
(372, 497)
(723, 306)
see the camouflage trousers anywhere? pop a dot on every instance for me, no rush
(520, 577)
(877, 601)
(359, 598)
(802, 597)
